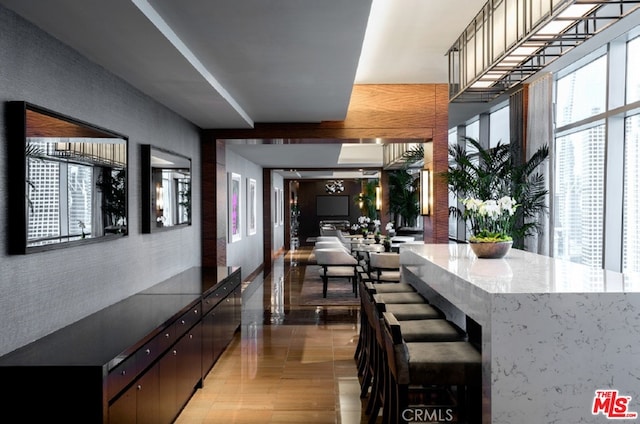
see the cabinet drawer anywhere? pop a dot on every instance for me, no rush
(185, 322)
(123, 374)
(149, 352)
(166, 338)
(214, 298)
(127, 371)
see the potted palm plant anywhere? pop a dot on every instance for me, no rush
(403, 198)
(476, 172)
(483, 174)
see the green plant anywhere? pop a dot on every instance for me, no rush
(368, 199)
(403, 197)
(476, 172)
(112, 184)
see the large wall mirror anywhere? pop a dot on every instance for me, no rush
(68, 180)
(166, 189)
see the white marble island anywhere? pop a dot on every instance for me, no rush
(552, 332)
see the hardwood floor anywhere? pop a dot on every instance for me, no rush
(288, 364)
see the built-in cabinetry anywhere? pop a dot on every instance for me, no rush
(138, 361)
(221, 317)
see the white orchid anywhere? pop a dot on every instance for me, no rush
(364, 220)
(490, 220)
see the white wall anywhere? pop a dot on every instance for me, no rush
(42, 292)
(277, 182)
(246, 252)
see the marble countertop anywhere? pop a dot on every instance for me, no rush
(518, 272)
(552, 333)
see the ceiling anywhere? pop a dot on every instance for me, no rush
(231, 64)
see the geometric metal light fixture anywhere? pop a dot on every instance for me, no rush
(511, 40)
(335, 186)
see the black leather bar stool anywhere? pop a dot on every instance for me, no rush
(435, 329)
(413, 369)
(373, 304)
(370, 342)
(371, 288)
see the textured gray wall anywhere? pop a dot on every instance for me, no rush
(42, 292)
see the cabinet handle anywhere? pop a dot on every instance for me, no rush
(182, 321)
(195, 311)
(175, 352)
(148, 351)
(139, 387)
(191, 336)
(167, 335)
(123, 372)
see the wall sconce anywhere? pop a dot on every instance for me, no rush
(378, 198)
(425, 192)
(159, 199)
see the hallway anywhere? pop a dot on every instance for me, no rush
(288, 364)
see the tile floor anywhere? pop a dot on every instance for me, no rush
(288, 364)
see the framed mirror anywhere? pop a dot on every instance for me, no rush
(68, 180)
(166, 189)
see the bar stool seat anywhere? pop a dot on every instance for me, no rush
(411, 297)
(411, 311)
(390, 287)
(425, 330)
(446, 363)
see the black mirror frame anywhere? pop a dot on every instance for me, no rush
(146, 195)
(16, 132)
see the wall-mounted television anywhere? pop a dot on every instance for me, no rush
(332, 205)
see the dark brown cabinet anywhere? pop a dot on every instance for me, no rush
(139, 403)
(221, 309)
(167, 374)
(138, 361)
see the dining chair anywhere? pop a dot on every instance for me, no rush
(384, 266)
(336, 264)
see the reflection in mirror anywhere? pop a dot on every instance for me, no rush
(75, 180)
(166, 183)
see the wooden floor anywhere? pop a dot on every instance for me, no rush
(288, 364)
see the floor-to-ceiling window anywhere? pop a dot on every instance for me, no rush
(631, 208)
(488, 129)
(453, 199)
(596, 192)
(499, 127)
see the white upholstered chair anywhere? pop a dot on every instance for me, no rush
(384, 267)
(338, 234)
(337, 264)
